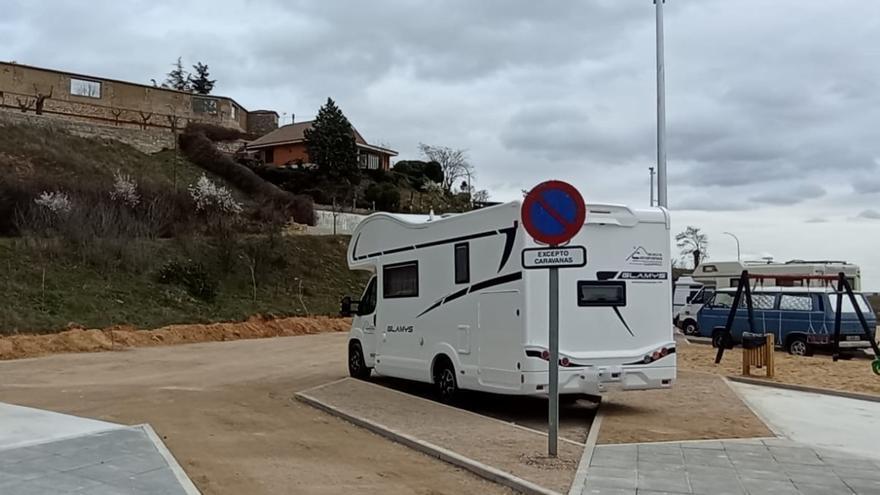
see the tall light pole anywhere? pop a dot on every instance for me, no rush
(651, 169)
(661, 109)
(737, 244)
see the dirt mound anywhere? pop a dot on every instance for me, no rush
(123, 337)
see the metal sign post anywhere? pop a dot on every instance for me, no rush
(554, 362)
(552, 213)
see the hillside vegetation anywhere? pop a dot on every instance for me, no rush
(96, 233)
(45, 288)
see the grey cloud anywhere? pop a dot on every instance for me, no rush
(707, 202)
(870, 214)
(816, 220)
(789, 195)
(867, 185)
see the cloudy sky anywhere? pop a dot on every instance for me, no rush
(773, 106)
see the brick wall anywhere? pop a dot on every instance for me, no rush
(113, 102)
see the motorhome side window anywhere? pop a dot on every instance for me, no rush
(400, 280)
(368, 301)
(462, 263)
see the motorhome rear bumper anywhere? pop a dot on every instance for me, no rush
(601, 379)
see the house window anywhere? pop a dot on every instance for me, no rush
(233, 112)
(369, 161)
(462, 263)
(400, 280)
(204, 105)
(82, 87)
(269, 155)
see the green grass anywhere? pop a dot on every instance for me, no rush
(44, 288)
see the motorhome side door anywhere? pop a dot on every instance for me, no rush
(365, 319)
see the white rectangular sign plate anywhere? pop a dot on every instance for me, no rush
(554, 257)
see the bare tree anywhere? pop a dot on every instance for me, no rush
(25, 105)
(116, 113)
(145, 118)
(41, 98)
(453, 163)
(693, 242)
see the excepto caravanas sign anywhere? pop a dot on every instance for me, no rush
(554, 257)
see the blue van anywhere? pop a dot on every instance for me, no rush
(801, 319)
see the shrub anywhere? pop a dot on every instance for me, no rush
(209, 196)
(202, 152)
(385, 196)
(125, 190)
(216, 132)
(192, 276)
(57, 202)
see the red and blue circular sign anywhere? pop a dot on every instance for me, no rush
(553, 212)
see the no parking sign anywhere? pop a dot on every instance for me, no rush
(553, 212)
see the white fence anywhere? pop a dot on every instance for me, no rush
(328, 222)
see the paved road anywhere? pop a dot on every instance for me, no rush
(226, 412)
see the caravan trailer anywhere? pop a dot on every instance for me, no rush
(449, 303)
(722, 274)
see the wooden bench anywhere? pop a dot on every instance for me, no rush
(760, 357)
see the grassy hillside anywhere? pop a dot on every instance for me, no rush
(27, 151)
(44, 288)
(96, 260)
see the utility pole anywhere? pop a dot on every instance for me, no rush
(652, 185)
(661, 109)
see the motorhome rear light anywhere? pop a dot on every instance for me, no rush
(664, 351)
(564, 361)
(647, 359)
(545, 355)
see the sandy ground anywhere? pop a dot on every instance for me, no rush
(520, 451)
(699, 406)
(815, 371)
(226, 412)
(124, 337)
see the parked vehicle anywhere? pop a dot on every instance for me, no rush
(685, 305)
(722, 274)
(450, 304)
(801, 319)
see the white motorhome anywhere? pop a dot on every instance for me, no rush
(723, 274)
(449, 303)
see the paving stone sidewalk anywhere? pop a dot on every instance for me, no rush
(116, 462)
(738, 467)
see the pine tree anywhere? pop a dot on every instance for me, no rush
(330, 143)
(200, 82)
(178, 78)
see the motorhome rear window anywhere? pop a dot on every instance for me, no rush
(601, 293)
(400, 280)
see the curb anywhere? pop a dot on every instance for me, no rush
(185, 482)
(578, 484)
(804, 388)
(758, 414)
(483, 470)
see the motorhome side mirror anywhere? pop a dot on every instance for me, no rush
(345, 307)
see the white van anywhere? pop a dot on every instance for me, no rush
(450, 304)
(685, 289)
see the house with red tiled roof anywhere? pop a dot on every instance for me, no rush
(286, 146)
